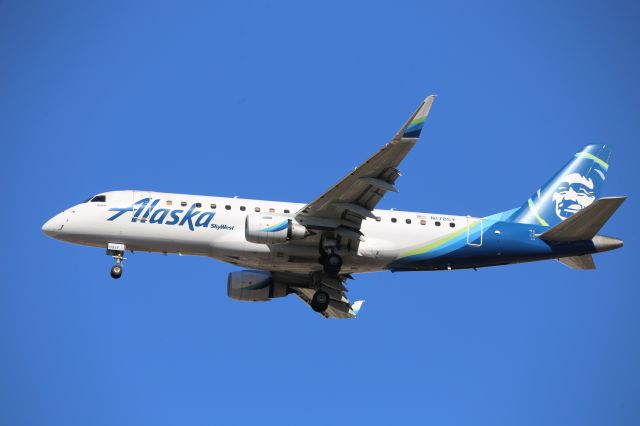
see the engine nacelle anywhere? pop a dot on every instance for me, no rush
(254, 286)
(272, 229)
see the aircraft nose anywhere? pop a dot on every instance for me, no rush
(53, 226)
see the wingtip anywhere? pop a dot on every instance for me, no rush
(357, 305)
(428, 102)
(413, 127)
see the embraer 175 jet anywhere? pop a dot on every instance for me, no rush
(312, 249)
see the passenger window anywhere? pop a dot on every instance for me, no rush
(99, 199)
(198, 205)
(272, 210)
(257, 209)
(423, 222)
(408, 221)
(227, 207)
(437, 223)
(213, 206)
(286, 210)
(183, 204)
(394, 220)
(169, 202)
(242, 208)
(452, 224)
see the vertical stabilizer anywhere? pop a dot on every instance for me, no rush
(577, 185)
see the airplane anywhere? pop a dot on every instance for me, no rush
(312, 250)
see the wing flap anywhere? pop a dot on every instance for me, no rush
(380, 184)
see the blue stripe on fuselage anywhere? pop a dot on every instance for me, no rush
(515, 243)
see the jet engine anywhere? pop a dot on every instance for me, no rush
(254, 286)
(272, 229)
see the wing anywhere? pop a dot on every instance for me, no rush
(343, 207)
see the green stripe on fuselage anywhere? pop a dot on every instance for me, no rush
(438, 243)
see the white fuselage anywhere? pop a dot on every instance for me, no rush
(216, 228)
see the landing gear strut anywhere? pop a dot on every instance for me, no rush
(320, 301)
(330, 261)
(117, 252)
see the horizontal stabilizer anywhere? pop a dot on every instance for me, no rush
(586, 223)
(579, 262)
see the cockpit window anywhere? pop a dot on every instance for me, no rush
(99, 199)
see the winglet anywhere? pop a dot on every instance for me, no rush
(413, 126)
(356, 306)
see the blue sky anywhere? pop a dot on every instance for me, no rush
(279, 100)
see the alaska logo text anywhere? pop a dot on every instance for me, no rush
(145, 210)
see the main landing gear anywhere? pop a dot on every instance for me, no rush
(331, 262)
(117, 252)
(320, 301)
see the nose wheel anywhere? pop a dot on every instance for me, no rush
(117, 252)
(116, 271)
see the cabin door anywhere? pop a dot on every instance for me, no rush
(474, 232)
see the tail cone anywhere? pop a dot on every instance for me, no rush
(602, 243)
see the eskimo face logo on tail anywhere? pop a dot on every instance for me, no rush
(573, 193)
(144, 211)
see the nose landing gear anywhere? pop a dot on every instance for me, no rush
(116, 271)
(117, 252)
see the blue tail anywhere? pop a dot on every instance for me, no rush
(577, 185)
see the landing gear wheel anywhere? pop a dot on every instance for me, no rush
(332, 263)
(116, 271)
(320, 301)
